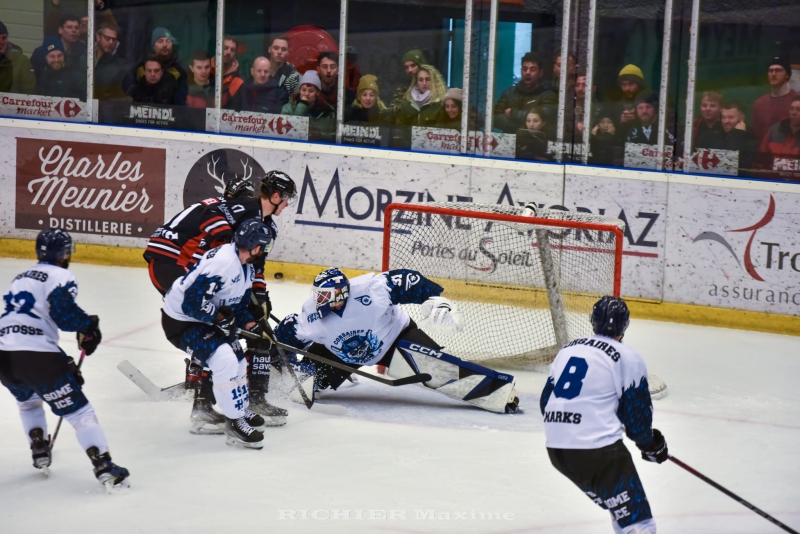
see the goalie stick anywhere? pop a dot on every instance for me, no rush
(414, 379)
(733, 496)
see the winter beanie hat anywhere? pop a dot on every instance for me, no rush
(632, 73)
(158, 33)
(454, 93)
(368, 81)
(416, 56)
(782, 61)
(311, 78)
(647, 97)
(52, 43)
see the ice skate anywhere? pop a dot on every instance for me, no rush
(40, 450)
(205, 420)
(240, 433)
(513, 406)
(254, 420)
(108, 473)
(273, 415)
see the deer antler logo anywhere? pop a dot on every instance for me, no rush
(211, 169)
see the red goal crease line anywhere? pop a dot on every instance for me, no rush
(387, 229)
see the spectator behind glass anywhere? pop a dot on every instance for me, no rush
(231, 80)
(731, 136)
(58, 78)
(773, 107)
(328, 71)
(310, 102)
(109, 68)
(452, 109)
(572, 70)
(69, 33)
(368, 106)
(423, 103)
(156, 86)
(260, 93)
(531, 90)
(411, 62)
(710, 115)
(201, 81)
(630, 83)
(782, 140)
(580, 104)
(83, 30)
(16, 72)
(645, 127)
(532, 140)
(163, 43)
(284, 73)
(604, 148)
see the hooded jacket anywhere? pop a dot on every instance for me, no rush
(173, 67)
(109, 72)
(163, 92)
(16, 73)
(262, 98)
(519, 99)
(69, 81)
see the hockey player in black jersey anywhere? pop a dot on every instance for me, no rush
(39, 303)
(597, 387)
(178, 244)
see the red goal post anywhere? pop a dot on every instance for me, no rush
(526, 284)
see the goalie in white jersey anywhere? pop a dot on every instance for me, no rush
(360, 322)
(596, 387)
(39, 303)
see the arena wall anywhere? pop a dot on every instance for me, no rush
(709, 247)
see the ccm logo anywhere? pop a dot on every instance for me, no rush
(425, 350)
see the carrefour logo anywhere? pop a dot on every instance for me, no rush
(777, 258)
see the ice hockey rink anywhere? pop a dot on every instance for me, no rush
(402, 460)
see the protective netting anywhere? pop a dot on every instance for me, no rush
(497, 273)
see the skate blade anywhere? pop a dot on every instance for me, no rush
(274, 421)
(112, 488)
(234, 442)
(205, 429)
(45, 470)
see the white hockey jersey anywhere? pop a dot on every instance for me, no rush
(366, 329)
(596, 385)
(218, 279)
(36, 304)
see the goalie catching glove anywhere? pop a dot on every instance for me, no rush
(440, 315)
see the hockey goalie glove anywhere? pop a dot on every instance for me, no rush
(656, 451)
(440, 315)
(90, 338)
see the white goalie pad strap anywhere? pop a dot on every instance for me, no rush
(441, 315)
(451, 376)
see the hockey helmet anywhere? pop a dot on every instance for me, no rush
(279, 182)
(330, 291)
(252, 233)
(239, 187)
(54, 246)
(610, 317)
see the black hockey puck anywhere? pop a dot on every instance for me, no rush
(278, 276)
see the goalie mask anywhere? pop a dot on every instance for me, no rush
(610, 317)
(330, 291)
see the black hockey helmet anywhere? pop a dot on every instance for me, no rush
(610, 317)
(54, 246)
(239, 187)
(279, 182)
(252, 233)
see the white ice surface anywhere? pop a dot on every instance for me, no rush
(733, 412)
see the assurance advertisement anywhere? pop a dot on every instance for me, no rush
(89, 188)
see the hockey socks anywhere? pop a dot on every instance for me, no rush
(454, 377)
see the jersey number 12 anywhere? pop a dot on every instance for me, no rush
(571, 380)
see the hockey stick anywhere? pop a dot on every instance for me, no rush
(733, 496)
(61, 419)
(154, 392)
(414, 379)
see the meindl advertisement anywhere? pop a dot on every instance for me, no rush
(89, 188)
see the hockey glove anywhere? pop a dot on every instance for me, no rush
(90, 338)
(225, 321)
(260, 297)
(264, 344)
(656, 451)
(440, 315)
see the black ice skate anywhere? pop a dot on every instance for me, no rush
(513, 406)
(274, 415)
(40, 450)
(204, 419)
(107, 472)
(255, 420)
(240, 433)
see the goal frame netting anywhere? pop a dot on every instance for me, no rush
(551, 220)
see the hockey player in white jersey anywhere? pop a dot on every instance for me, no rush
(200, 315)
(359, 322)
(38, 303)
(596, 387)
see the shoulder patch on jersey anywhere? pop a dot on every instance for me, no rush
(237, 278)
(364, 299)
(313, 317)
(210, 201)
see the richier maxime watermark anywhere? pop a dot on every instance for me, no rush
(393, 515)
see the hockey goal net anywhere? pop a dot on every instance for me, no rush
(526, 284)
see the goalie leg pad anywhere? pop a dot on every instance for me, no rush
(454, 377)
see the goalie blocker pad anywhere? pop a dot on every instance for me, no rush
(454, 377)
